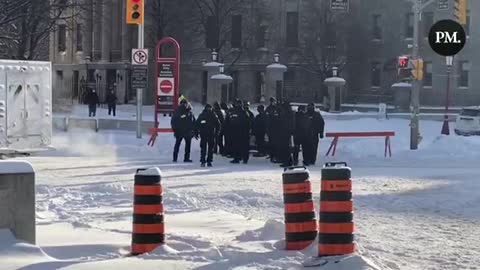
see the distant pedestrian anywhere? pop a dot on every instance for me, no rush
(219, 144)
(92, 101)
(112, 103)
(317, 133)
(259, 130)
(239, 124)
(272, 114)
(183, 125)
(285, 134)
(302, 131)
(207, 126)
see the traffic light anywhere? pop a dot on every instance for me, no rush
(460, 8)
(135, 11)
(417, 71)
(403, 62)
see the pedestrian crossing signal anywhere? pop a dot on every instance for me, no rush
(135, 12)
(403, 62)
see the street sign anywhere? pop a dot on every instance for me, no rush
(166, 83)
(166, 86)
(139, 77)
(339, 5)
(442, 4)
(140, 57)
(167, 79)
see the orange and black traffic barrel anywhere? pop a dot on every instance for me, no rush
(300, 221)
(148, 218)
(336, 225)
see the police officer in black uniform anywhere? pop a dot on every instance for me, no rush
(272, 114)
(287, 129)
(317, 131)
(219, 144)
(239, 125)
(302, 131)
(259, 130)
(183, 125)
(207, 126)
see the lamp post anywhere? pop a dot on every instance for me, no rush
(334, 85)
(446, 127)
(220, 80)
(212, 68)
(275, 73)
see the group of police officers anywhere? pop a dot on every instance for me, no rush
(279, 132)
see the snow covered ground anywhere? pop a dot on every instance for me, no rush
(416, 211)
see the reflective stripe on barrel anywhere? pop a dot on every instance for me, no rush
(301, 226)
(148, 212)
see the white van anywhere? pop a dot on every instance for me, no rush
(468, 122)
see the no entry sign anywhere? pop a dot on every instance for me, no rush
(166, 87)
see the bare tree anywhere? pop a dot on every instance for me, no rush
(213, 18)
(25, 25)
(326, 40)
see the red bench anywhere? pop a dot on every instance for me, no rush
(337, 135)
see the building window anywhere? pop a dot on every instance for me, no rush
(261, 36)
(428, 80)
(62, 38)
(464, 70)
(236, 39)
(79, 37)
(292, 29)
(212, 32)
(376, 27)
(409, 25)
(376, 76)
(427, 22)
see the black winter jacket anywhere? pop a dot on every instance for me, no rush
(260, 125)
(183, 122)
(207, 124)
(318, 124)
(303, 125)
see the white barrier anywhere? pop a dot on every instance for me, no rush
(17, 199)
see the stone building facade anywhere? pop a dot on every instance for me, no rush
(389, 26)
(95, 51)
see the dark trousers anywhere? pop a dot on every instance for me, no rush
(207, 144)
(178, 141)
(315, 142)
(229, 147)
(219, 145)
(273, 147)
(311, 150)
(284, 154)
(112, 108)
(241, 149)
(260, 142)
(92, 110)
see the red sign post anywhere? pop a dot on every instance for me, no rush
(167, 85)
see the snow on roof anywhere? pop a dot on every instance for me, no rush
(212, 64)
(150, 172)
(222, 77)
(15, 167)
(276, 66)
(335, 79)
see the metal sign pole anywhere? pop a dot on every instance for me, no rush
(141, 45)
